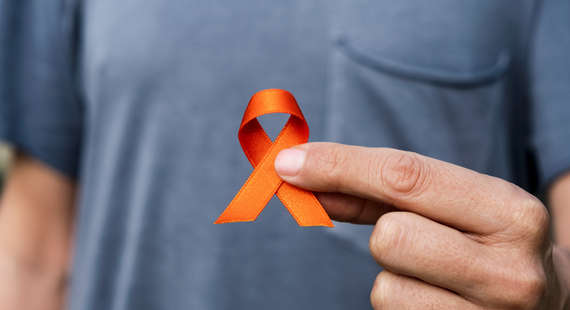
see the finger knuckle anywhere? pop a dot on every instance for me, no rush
(387, 239)
(381, 290)
(523, 289)
(529, 216)
(538, 222)
(403, 173)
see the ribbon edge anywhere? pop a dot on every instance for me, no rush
(251, 176)
(320, 207)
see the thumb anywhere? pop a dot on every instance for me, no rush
(446, 193)
(332, 167)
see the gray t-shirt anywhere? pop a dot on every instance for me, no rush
(141, 101)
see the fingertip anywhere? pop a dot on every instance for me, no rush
(289, 162)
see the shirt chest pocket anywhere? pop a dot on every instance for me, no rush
(447, 41)
(426, 76)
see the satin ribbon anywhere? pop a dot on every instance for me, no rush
(264, 182)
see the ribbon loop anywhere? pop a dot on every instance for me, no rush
(261, 152)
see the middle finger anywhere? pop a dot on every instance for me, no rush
(412, 245)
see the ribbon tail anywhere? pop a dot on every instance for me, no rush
(303, 206)
(254, 194)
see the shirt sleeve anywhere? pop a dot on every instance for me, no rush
(550, 90)
(39, 108)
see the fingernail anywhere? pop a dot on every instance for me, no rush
(289, 162)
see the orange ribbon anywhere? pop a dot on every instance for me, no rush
(261, 152)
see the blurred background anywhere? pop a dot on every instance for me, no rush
(5, 157)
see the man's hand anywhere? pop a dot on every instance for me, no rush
(448, 237)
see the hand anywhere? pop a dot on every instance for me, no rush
(447, 237)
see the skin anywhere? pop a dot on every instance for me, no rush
(448, 237)
(559, 202)
(36, 211)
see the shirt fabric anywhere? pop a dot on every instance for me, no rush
(141, 101)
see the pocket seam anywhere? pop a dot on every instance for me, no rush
(426, 74)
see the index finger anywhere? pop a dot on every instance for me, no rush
(449, 194)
